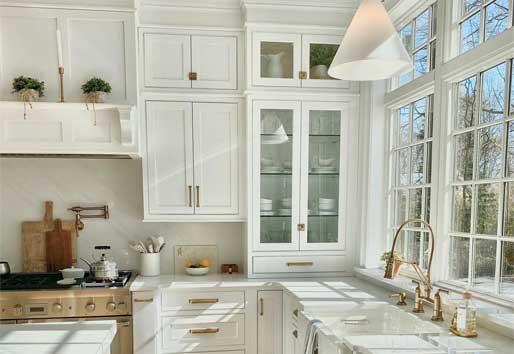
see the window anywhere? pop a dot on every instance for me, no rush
(419, 39)
(481, 20)
(482, 224)
(411, 176)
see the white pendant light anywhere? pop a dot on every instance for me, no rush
(371, 48)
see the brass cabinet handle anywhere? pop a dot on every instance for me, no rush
(193, 76)
(302, 75)
(261, 300)
(190, 191)
(203, 301)
(144, 300)
(208, 330)
(300, 227)
(197, 196)
(299, 264)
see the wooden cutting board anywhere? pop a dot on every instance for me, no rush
(58, 248)
(33, 240)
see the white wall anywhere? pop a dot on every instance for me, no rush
(26, 183)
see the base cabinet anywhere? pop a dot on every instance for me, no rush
(269, 322)
(145, 322)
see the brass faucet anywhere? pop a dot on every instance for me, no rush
(420, 296)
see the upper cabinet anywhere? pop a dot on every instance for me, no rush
(294, 60)
(174, 60)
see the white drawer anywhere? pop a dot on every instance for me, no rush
(175, 300)
(202, 332)
(299, 264)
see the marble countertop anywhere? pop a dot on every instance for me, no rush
(87, 337)
(315, 293)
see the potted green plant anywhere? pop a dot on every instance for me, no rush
(397, 261)
(28, 88)
(95, 90)
(321, 56)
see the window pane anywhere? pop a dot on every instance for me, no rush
(468, 5)
(406, 35)
(401, 206)
(487, 208)
(470, 33)
(493, 89)
(427, 204)
(429, 163)
(508, 222)
(404, 129)
(490, 152)
(459, 259)
(418, 119)
(466, 102)
(507, 269)
(510, 150)
(415, 202)
(485, 262)
(413, 244)
(462, 209)
(421, 62)
(417, 164)
(464, 156)
(496, 18)
(403, 166)
(421, 35)
(405, 78)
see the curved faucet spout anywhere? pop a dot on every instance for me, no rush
(425, 278)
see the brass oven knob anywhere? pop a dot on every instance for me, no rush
(57, 307)
(122, 306)
(90, 307)
(110, 306)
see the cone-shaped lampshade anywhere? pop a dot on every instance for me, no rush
(371, 48)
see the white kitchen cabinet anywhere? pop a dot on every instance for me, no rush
(294, 60)
(269, 322)
(145, 322)
(176, 60)
(300, 160)
(291, 334)
(167, 60)
(192, 163)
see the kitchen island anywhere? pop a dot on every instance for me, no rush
(92, 337)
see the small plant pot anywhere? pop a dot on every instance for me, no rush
(319, 72)
(396, 267)
(28, 95)
(150, 264)
(96, 97)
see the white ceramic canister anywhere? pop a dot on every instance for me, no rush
(150, 264)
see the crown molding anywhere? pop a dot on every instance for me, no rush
(107, 5)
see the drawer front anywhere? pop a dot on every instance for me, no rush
(202, 332)
(200, 300)
(299, 264)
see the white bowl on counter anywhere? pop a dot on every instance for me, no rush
(197, 271)
(72, 273)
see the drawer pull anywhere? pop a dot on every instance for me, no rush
(203, 301)
(143, 300)
(210, 330)
(299, 264)
(261, 300)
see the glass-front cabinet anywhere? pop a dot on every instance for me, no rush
(294, 60)
(298, 189)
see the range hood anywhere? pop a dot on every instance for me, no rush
(77, 130)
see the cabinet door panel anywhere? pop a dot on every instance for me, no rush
(167, 60)
(214, 59)
(269, 322)
(169, 157)
(216, 154)
(145, 319)
(323, 181)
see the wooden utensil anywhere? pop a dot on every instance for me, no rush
(58, 248)
(33, 240)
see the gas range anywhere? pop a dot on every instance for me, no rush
(48, 281)
(33, 296)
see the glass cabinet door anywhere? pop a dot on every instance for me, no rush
(277, 59)
(317, 54)
(276, 127)
(322, 180)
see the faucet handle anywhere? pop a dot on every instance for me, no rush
(416, 282)
(443, 291)
(401, 298)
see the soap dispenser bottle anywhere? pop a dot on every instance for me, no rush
(464, 321)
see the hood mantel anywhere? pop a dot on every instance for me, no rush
(68, 128)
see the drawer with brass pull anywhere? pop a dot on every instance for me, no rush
(202, 332)
(300, 264)
(179, 300)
